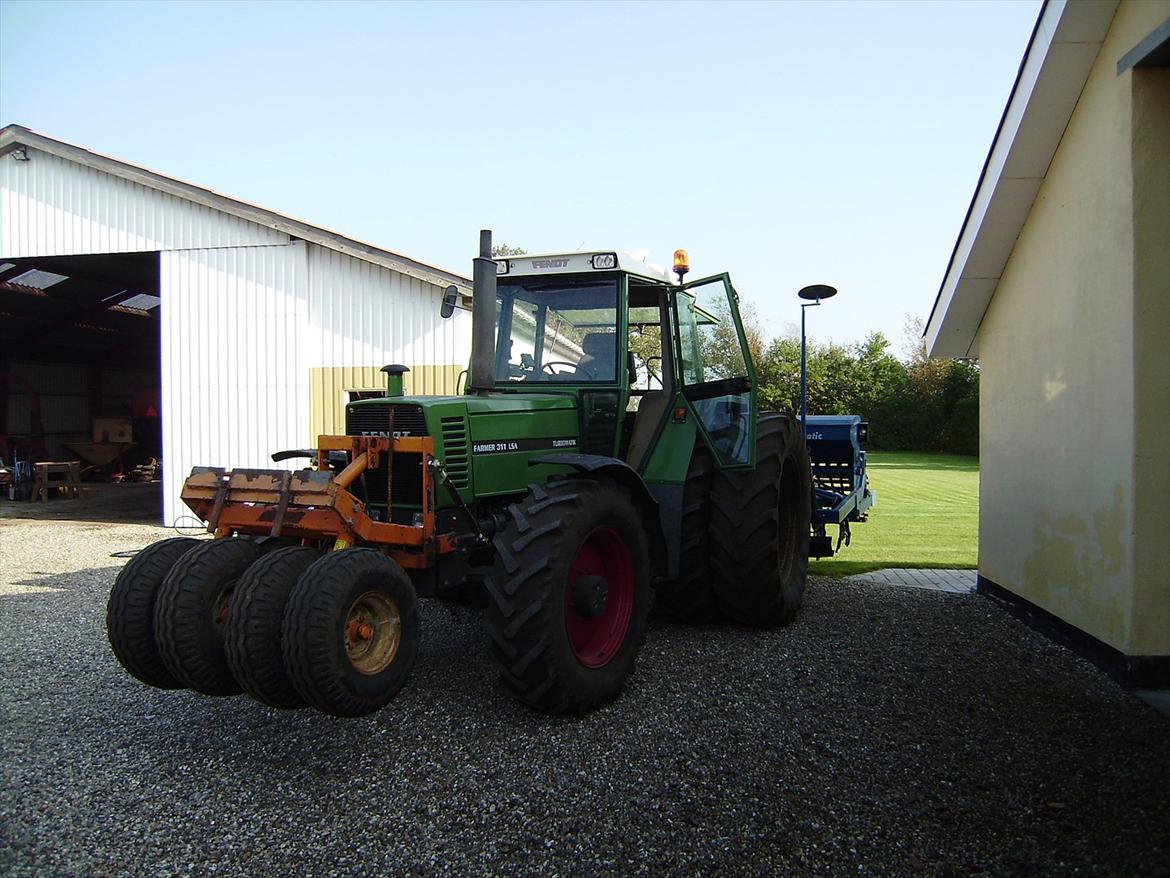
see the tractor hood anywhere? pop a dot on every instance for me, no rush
(490, 404)
(499, 403)
(486, 441)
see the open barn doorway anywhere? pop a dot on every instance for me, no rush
(80, 387)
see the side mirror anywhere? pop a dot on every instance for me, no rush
(450, 297)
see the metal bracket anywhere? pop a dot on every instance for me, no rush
(843, 534)
(282, 504)
(438, 470)
(217, 508)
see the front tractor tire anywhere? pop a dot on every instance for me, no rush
(760, 527)
(570, 595)
(130, 611)
(350, 632)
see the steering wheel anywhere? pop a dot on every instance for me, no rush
(547, 367)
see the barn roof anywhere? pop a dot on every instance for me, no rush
(13, 137)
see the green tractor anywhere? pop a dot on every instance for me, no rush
(608, 451)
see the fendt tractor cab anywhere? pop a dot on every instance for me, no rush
(608, 448)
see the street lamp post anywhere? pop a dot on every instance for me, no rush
(813, 294)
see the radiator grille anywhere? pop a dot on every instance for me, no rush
(374, 420)
(406, 470)
(455, 451)
(405, 481)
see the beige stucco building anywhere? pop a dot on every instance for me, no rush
(1060, 285)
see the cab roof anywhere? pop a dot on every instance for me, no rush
(579, 262)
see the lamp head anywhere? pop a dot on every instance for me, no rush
(816, 292)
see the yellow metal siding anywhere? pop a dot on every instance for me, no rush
(330, 386)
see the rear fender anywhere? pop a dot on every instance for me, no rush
(623, 474)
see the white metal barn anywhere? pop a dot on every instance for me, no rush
(239, 331)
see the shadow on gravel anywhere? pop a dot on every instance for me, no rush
(888, 731)
(55, 582)
(100, 504)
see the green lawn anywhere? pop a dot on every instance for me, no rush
(927, 515)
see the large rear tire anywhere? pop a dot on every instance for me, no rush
(192, 608)
(130, 611)
(252, 633)
(350, 632)
(569, 595)
(691, 597)
(760, 528)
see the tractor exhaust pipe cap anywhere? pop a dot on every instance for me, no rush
(394, 373)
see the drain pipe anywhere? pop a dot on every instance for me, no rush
(483, 319)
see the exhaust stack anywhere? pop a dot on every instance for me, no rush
(483, 318)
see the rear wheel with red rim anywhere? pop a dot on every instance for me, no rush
(597, 622)
(569, 594)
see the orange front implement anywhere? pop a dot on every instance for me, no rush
(315, 504)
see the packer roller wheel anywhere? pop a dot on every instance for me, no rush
(191, 611)
(130, 611)
(252, 633)
(350, 632)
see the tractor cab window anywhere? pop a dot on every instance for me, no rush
(557, 330)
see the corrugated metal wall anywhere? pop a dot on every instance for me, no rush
(236, 348)
(121, 386)
(259, 345)
(50, 206)
(254, 325)
(367, 316)
(62, 392)
(366, 313)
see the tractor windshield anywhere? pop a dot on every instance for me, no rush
(557, 330)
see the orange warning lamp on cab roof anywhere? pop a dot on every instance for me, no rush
(682, 263)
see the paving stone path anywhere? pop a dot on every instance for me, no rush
(954, 581)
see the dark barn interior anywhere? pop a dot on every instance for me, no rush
(80, 375)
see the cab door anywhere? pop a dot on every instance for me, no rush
(715, 368)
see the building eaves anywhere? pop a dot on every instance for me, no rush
(15, 136)
(1055, 68)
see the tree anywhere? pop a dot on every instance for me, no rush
(943, 397)
(504, 250)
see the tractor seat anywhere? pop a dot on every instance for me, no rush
(600, 353)
(646, 421)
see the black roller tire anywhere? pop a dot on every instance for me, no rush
(533, 586)
(252, 637)
(760, 528)
(130, 611)
(191, 609)
(336, 670)
(691, 597)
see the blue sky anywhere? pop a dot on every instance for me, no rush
(785, 143)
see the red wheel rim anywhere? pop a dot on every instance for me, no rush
(596, 640)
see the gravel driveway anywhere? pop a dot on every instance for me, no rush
(890, 731)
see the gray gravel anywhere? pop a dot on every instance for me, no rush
(891, 731)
